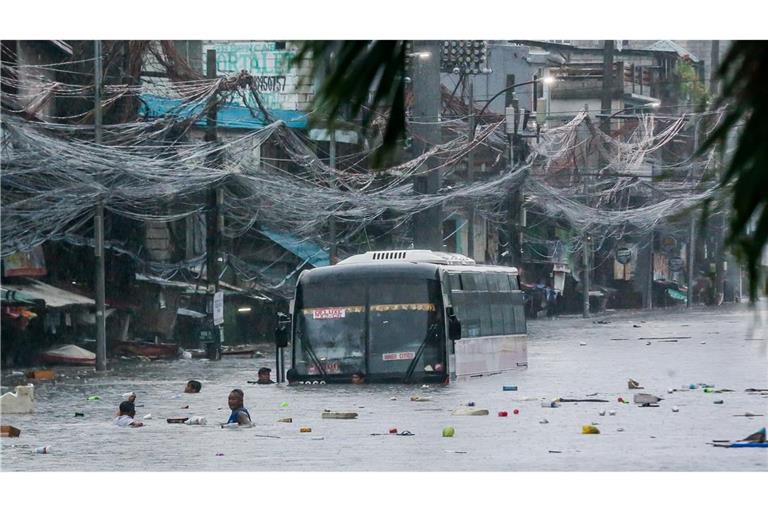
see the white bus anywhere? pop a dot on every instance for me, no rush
(407, 316)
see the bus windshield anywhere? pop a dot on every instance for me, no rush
(382, 327)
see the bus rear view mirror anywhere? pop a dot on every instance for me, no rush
(454, 328)
(281, 336)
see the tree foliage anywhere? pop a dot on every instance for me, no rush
(744, 75)
(366, 76)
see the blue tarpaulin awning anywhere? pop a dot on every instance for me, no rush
(307, 251)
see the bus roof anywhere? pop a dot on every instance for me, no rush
(411, 256)
(362, 271)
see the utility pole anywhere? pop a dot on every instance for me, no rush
(720, 219)
(98, 225)
(425, 79)
(213, 221)
(649, 282)
(585, 282)
(692, 229)
(471, 167)
(607, 90)
(332, 221)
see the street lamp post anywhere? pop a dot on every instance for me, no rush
(547, 80)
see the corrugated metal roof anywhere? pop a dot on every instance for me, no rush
(666, 45)
(53, 297)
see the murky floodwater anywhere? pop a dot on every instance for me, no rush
(714, 347)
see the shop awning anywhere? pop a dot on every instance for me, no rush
(307, 251)
(53, 297)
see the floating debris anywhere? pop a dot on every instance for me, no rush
(305, 430)
(9, 431)
(544, 421)
(516, 411)
(589, 429)
(675, 409)
(633, 384)
(509, 388)
(43, 449)
(551, 404)
(148, 416)
(503, 414)
(420, 399)
(718, 402)
(748, 415)
(601, 412)
(328, 415)
(448, 431)
(469, 411)
(611, 413)
(285, 420)
(583, 344)
(646, 399)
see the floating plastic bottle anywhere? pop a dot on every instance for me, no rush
(94, 397)
(43, 449)
(509, 388)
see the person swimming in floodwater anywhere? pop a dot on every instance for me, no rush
(358, 377)
(239, 414)
(264, 376)
(125, 419)
(193, 386)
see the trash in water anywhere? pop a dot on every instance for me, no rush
(43, 449)
(693, 386)
(621, 401)
(515, 411)
(320, 438)
(611, 413)
(420, 399)
(148, 416)
(284, 404)
(566, 400)
(470, 404)
(177, 420)
(582, 343)
(503, 414)
(219, 455)
(619, 429)
(748, 415)
(185, 407)
(544, 421)
(757, 437)
(41, 375)
(9, 431)
(589, 429)
(196, 420)
(305, 429)
(595, 423)
(469, 411)
(393, 431)
(509, 388)
(328, 415)
(675, 409)
(633, 384)
(94, 397)
(448, 431)
(670, 391)
(186, 355)
(425, 386)
(128, 395)
(551, 404)
(454, 451)
(718, 402)
(393, 398)
(647, 343)
(555, 451)
(285, 420)
(646, 399)
(601, 412)
(79, 415)
(635, 325)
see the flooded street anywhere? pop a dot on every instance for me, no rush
(721, 347)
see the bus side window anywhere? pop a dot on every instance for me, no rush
(513, 282)
(504, 285)
(483, 301)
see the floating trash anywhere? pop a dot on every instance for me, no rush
(469, 411)
(583, 344)
(589, 429)
(393, 398)
(619, 429)
(448, 431)
(645, 399)
(393, 430)
(219, 455)
(148, 416)
(718, 402)
(611, 413)
(633, 384)
(319, 438)
(284, 404)
(94, 397)
(551, 404)
(328, 415)
(675, 409)
(285, 420)
(602, 412)
(544, 421)
(79, 415)
(196, 420)
(305, 429)
(509, 388)
(516, 411)
(503, 414)
(43, 449)
(420, 399)
(470, 404)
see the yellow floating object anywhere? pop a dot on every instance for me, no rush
(305, 429)
(589, 429)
